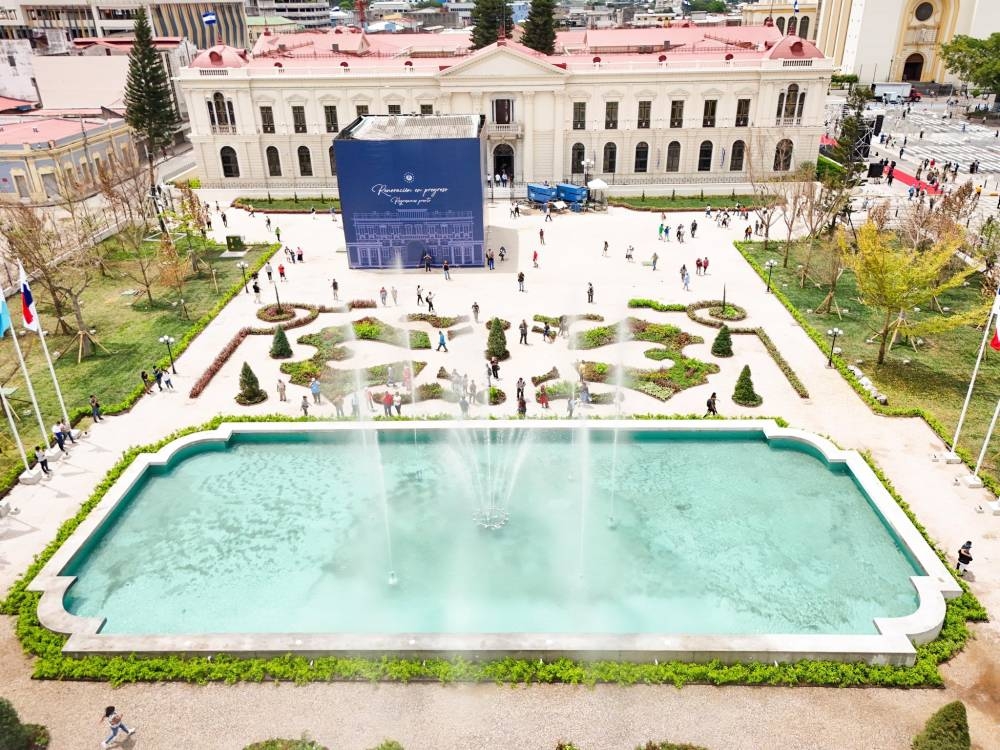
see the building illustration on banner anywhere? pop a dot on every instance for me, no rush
(410, 188)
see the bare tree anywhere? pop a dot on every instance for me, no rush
(766, 189)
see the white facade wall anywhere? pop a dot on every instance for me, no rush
(542, 133)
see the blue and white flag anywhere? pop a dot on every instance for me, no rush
(795, 6)
(208, 18)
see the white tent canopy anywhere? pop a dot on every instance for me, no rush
(597, 184)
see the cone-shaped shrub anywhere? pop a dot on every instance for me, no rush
(250, 391)
(744, 395)
(496, 344)
(947, 729)
(13, 734)
(280, 348)
(723, 344)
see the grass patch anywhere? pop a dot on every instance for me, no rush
(569, 318)
(437, 321)
(652, 304)
(552, 374)
(682, 202)
(373, 329)
(304, 204)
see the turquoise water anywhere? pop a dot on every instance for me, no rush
(287, 533)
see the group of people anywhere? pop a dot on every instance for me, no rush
(160, 377)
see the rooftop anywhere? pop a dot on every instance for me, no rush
(38, 132)
(124, 42)
(255, 21)
(413, 127)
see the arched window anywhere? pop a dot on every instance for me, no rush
(305, 162)
(674, 156)
(641, 156)
(610, 158)
(804, 27)
(273, 162)
(230, 164)
(221, 111)
(736, 159)
(780, 23)
(333, 162)
(781, 105)
(783, 155)
(577, 155)
(802, 105)
(791, 99)
(793, 25)
(705, 157)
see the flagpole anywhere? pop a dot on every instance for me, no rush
(986, 442)
(13, 430)
(31, 390)
(975, 374)
(33, 322)
(52, 372)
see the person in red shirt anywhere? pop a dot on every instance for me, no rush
(387, 403)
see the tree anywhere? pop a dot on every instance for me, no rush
(491, 17)
(855, 132)
(723, 344)
(539, 29)
(496, 344)
(974, 60)
(280, 348)
(893, 279)
(766, 190)
(250, 390)
(947, 729)
(744, 394)
(13, 734)
(149, 106)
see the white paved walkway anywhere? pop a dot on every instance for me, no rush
(431, 716)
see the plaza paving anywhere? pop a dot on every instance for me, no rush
(353, 716)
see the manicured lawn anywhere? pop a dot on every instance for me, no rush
(934, 377)
(683, 201)
(126, 325)
(304, 203)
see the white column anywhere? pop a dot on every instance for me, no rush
(528, 157)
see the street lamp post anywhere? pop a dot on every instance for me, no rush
(769, 265)
(586, 164)
(169, 340)
(243, 267)
(277, 298)
(833, 333)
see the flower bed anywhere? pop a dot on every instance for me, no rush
(569, 318)
(455, 332)
(505, 324)
(437, 321)
(733, 313)
(652, 304)
(274, 314)
(361, 304)
(552, 374)
(373, 329)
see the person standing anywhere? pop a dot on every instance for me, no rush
(704, 266)
(95, 408)
(281, 272)
(655, 258)
(314, 389)
(543, 396)
(489, 258)
(687, 281)
(522, 407)
(277, 233)
(541, 237)
(495, 368)
(420, 295)
(964, 558)
(336, 289)
(694, 228)
(475, 312)
(387, 403)
(394, 293)
(158, 377)
(523, 328)
(225, 221)
(383, 294)
(590, 292)
(281, 390)
(711, 406)
(605, 253)
(659, 233)
(446, 267)
(256, 293)
(60, 438)
(305, 406)
(427, 262)
(442, 344)
(430, 302)
(520, 281)
(338, 404)
(697, 267)
(115, 725)
(534, 258)
(42, 460)
(397, 401)
(570, 403)
(520, 388)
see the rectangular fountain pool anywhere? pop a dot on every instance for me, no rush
(370, 535)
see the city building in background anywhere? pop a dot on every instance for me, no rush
(797, 18)
(309, 14)
(898, 40)
(278, 24)
(634, 106)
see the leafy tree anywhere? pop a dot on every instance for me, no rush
(490, 18)
(496, 344)
(539, 29)
(13, 734)
(744, 394)
(723, 344)
(280, 348)
(947, 729)
(893, 279)
(347, 5)
(974, 60)
(250, 390)
(707, 6)
(149, 106)
(125, 185)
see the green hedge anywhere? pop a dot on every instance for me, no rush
(51, 663)
(947, 729)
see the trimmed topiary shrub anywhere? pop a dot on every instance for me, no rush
(723, 344)
(669, 746)
(388, 745)
(302, 744)
(496, 344)
(280, 348)
(13, 734)
(947, 729)
(744, 394)
(250, 390)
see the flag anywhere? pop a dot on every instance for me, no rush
(996, 303)
(4, 317)
(27, 303)
(795, 6)
(208, 18)
(994, 342)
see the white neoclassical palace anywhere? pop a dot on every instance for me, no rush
(661, 106)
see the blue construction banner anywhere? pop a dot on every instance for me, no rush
(403, 199)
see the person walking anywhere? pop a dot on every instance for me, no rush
(687, 281)
(697, 267)
(442, 344)
(305, 406)
(397, 401)
(543, 396)
(711, 406)
(95, 408)
(430, 302)
(541, 237)
(277, 233)
(146, 382)
(383, 294)
(605, 253)
(158, 377)
(659, 232)
(225, 221)
(447, 270)
(267, 223)
(43, 462)
(964, 558)
(694, 228)
(256, 293)
(489, 258)
(495, 368)
(281, 272)
(520, 281)
(336, 290)
(314, 389)
(502, 253)
(520, 388)
(57, 433)
(394, 293)
(282, 389)
(113, 719)
(420, 295)
(590, 292)
(704, 266)
(165, 374)
(534, 258)
(654, 259)
(475, 312)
